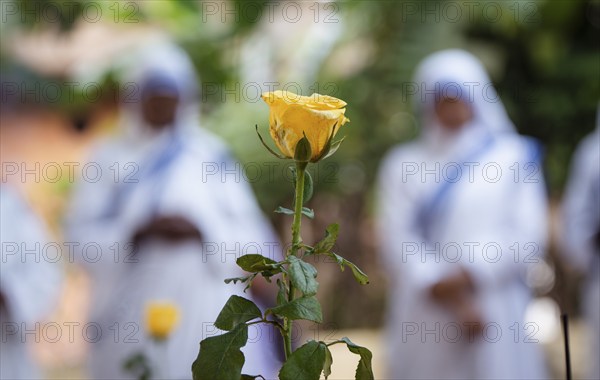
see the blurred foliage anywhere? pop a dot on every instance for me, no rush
(543, 56)
(64, 14)
(551, 78)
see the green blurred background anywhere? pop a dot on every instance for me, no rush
(543, 56)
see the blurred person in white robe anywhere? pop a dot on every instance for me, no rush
(581, 235)
(30, 283)
(182, 202)
(457, 238)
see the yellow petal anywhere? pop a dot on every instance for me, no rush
(294, 115)
(316, 124)
(161, 319)
(325, 102)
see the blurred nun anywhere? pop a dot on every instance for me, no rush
(581, 233)
(29, 284)
(462, 211)
(162, 189)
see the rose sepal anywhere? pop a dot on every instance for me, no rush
(281, 157)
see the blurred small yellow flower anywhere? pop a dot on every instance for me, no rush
(292, 116)
(161, 319)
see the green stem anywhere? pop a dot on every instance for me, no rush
(296, 239)
(264, 320)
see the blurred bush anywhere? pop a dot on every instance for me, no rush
(542, 55)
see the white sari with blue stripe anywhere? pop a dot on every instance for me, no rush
(580, 236)
(451, 215)
(170, 177)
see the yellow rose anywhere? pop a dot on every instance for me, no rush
(161, 319)
(292, 116)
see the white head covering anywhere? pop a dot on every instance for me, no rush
(164, 63)
(159, 65)
(172, 180)
(457, 73)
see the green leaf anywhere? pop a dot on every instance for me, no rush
(307, 308)
(331, 234)
(364, 371)
(308, 212)
(324, 248)
(305, 210)
(281, 293)
(308, 187)
(334, 147)
(236, 279)
(358, 274)
(250, 377)
(283, 210)
(237, 310)
(248, 280)
(302, 275)
(307, 192)
(268, 148)
(328, 363)
(138, 366)
(257, 263)
(303, 150)
(339, 259)
(306, 363)
(220, 356)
